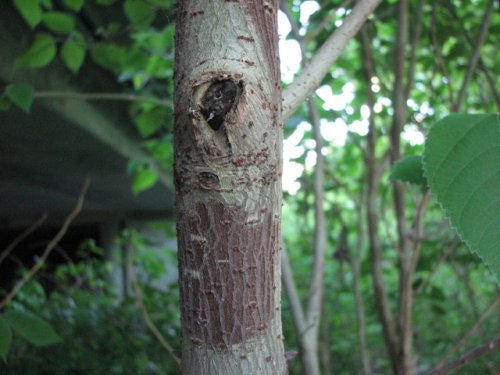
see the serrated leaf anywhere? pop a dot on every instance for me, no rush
(74, 5)
(144, 178)
(21, 95)
(73, 54)
(5, 338)
(139, 12)
(461, 162)
(32, 328)
(30, 10)
(409, 169)
(41, 52)
(59, 22)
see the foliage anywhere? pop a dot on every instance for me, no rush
(451, 286)
(100, 333)
(461, 162)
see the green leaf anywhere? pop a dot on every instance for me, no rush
(47, 4)
(73, 54)
(59, 22)
(106, 2)
(409, 169)
(32, 328)
(41, 52)
(21, 95)
(110, 56)
(30, 10)
(139, 12)
(74, 5)
(144, 178)
(149, 122)
(5, 338)
(461, 161)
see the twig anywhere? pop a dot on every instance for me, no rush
(466, 358)
(104, 96)
(4, 254)
(439, 56)
(312, 74)
(326, 22)
(147, 318)
(50, 246)
(469, 332)
(471, 68)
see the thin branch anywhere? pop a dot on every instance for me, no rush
(327, 21)
(147, 318)
(320, 240)
(471, 68)
(466, 358)
(299, 320)
(482, 66)
(50, 246)
(5, 253)
(372, 217)
(104, 96)
(314, 72)
(469, 332)
(439, 56)
(417, 32)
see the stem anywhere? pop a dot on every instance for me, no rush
(471, 68)
(104, 96)
(466, 358)
(147, 318)
(313, 73)
(4, 254)
(50, 246)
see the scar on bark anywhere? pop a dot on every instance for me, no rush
(219, 98)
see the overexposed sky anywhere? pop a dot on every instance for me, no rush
(334, 132)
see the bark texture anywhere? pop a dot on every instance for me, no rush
(228, 162)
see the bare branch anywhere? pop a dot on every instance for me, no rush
(471, 68)
(466, 358)
(373, 176)
(4, 254)
(469, 332)
(104, 96)
(50, 246)
(312, 74)
(299, 320)
(147, 319)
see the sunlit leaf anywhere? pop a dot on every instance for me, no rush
(32, 328)
(462, 164)
(21, 95)
(41, 52)
(143, 179)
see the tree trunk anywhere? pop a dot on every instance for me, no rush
(228, 162)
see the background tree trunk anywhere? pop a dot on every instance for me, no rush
(228, 162)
